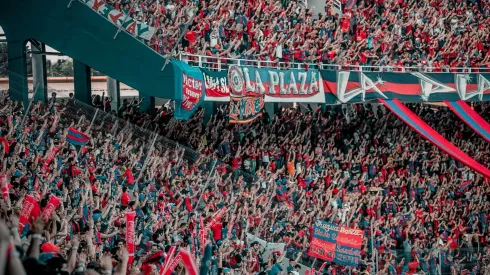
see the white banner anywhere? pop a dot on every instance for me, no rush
(267, 248)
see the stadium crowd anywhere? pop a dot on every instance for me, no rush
(366, 170)
(394, 34)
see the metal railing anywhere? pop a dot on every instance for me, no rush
(222, 63)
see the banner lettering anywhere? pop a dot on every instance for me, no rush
(335, 243)
(189, 89)
(245, 109)
(27, 207)
(354, 87)
(50, 208)
(216, 85)
(130, 235)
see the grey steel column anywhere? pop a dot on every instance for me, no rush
(114, 91)
(39, 75)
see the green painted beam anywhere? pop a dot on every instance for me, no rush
(86, 36)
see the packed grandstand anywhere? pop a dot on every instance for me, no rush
(94, 190)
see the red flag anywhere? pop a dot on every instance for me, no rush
(185, 257)
(216, 217)
(202, 235)
(5, 143)
(49, 159)
(188, 204)
(189, 262)
(5, 188)
(130, 235)
(169, 256)
(36, 183)
(50, 207)
(27, 208)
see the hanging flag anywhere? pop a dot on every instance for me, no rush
(470, 117)
(76, 137)
(50, 208)
(130, 237)
(189, 89)
(421, 127)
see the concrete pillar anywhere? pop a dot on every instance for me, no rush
(148, 104)
(114, 91)
(39, 75)
(18, 89)
(82, 81)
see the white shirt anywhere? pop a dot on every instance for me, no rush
(279, 51)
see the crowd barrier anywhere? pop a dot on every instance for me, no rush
(98, 122)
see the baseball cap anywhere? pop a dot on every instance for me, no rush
(49, 247)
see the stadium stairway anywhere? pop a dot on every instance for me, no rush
(87, 37)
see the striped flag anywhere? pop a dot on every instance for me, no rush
(350, 4)
(76, 137)
(464, 185)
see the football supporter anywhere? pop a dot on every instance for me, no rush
(66, 208)
(431, 35)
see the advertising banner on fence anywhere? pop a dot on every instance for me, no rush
(352, 87)
(189, 89)
(276, 85)
(339, 244)
(216, 85)
(118, 18)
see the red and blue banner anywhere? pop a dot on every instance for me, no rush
(433, 136)
(348, 248)
(470, 117)
(354, 86)
(76, 137)
(339, 244)
(350, 4)
(338, 87)
(189, 89)
(324, 240)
